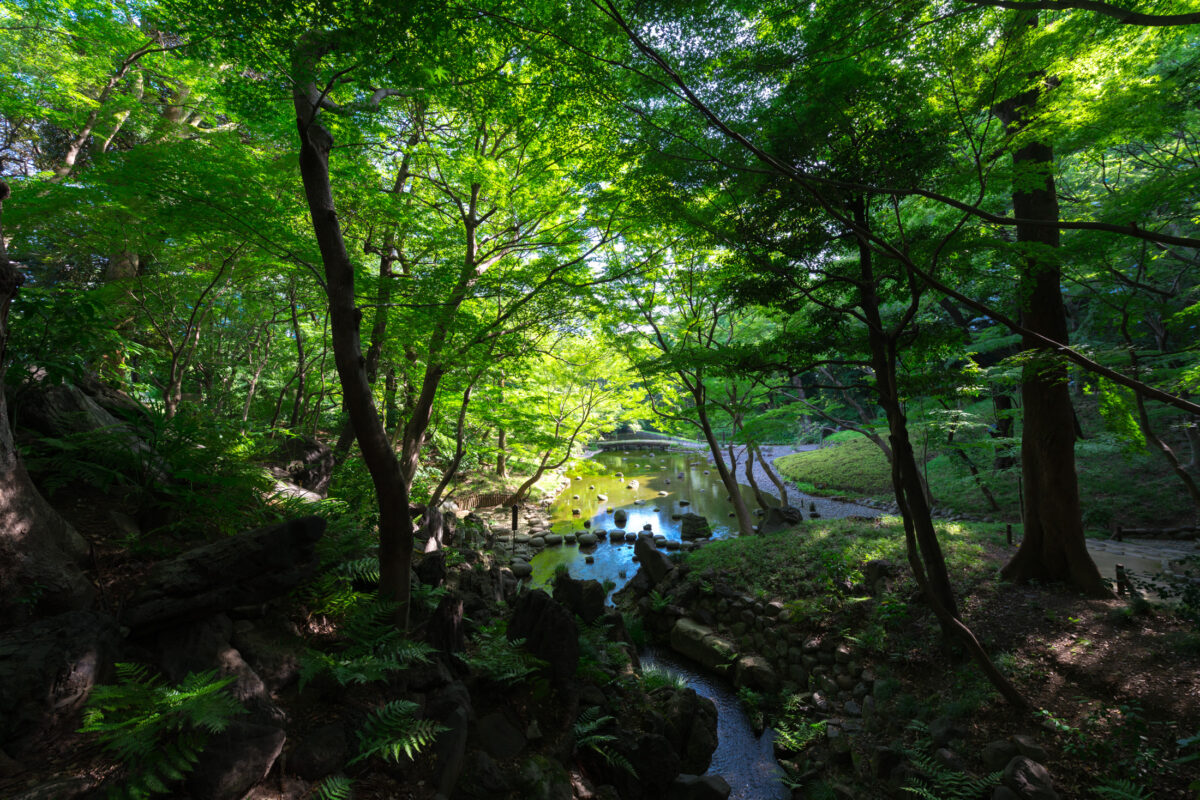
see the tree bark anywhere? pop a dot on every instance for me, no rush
(391, 490)
(1053, 548)
(39, 552)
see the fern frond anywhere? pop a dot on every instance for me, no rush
(335, 787)
(394, 730)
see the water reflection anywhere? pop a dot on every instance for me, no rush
(652, 488)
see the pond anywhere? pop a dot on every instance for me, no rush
(653, 488)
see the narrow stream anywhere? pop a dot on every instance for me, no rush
(655, 489)
(745, 761)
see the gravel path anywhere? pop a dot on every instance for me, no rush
(825, 507)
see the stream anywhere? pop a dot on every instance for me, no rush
(652, 487)
(745, 761)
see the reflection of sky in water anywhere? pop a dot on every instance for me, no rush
(654, 472)
(747, 762)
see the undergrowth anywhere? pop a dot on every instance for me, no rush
(157, 731)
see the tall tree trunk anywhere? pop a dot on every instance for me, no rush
(1054, 548)
(301, 365)
(391, 489)
(728, 479)
(1002, 402)
(501, 454)
(39, 552)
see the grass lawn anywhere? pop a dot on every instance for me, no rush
(1117, 486)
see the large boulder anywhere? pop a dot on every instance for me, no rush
(691, 728)
(584, 598)
(308, 463)
(47, 671)
(235, 760)
(550, 633)
(242, 570)
(781, 518)
(703, 645)
(755, 672)
(694, 526)
(654, 561)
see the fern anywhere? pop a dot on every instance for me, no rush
(375, 649)
(1121, 789)
(157, 731)
(394, 730)
(498, 658)
(937, 782)
(588, 732)
(335, 787)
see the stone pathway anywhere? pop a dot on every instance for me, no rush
(1145, 557)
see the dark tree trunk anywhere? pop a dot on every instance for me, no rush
(391, 490)
(1003, 404)
(1054, 547)
(39, 551)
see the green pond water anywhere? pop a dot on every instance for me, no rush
(688, 480)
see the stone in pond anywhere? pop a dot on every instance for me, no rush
(638, 502)
(521, 569)
(662, 494)
(631, 537)
(553, 540)
(574, 497)
(608, 510)
(589, 560)
(683, 503)
(537, 541)
(587, 523)
(705, 472)
(647, 527)
(620, 474)
(672, 544)
(602, 498)
(578, 477)
(575, 512)
(568, 538)
(616, 536)
(620, 517)
(586, 539)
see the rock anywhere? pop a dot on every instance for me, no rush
(322, 751)
(58, 789)
(656, 564)
(234, 761)
(47, 671)
(450, 751)
(691, 727)
(1030, 748)
(537, 542)
(663, 494)
(945, 730)
(584, 598)
(755, 672)
(699, 787)
(1029, 779)
(445, 627)
(204, 645)
(499, 737)
(616, 536)
(431, 569)
(781, 518)
(702, 644)
(620, 517)
(553, 540)
(586, 539)
(997, 754)
(482, 777)
(309, 463)
(521, 569)
(550, 633)
(241, 570)
(949, 759)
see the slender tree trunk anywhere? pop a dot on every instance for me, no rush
(258, 371)
(1054, 547)
(1003, 404)
(728, 479)
(301, 365)
(501, 454)
(391, 489)
(767, 468)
